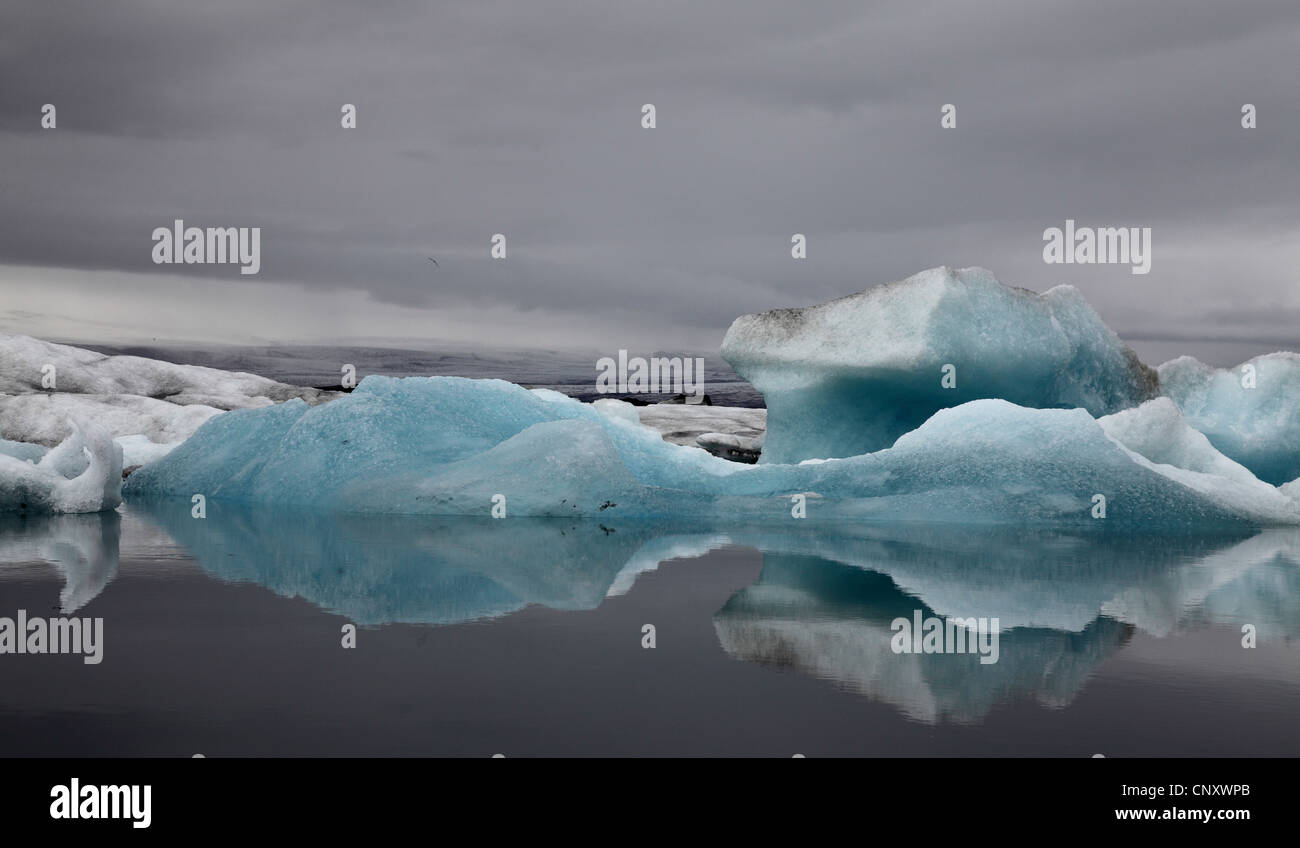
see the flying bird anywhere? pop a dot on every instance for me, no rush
(435, 262)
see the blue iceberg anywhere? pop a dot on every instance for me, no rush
(454, 446)
(945, 397)
(1251, 413)
(850, 376)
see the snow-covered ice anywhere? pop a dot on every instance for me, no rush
(730, 446)
(850, 376)
(136, 451)
(683, 424)
(22, 450)
(617, 409)
(43, 418)
(82, 474)
(23, 362)
(127, 396)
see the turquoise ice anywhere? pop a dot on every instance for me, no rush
(1251, 413)
(850, 376)
(450, 446)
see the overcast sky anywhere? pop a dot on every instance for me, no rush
(524, 118)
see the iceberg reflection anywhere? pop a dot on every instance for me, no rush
(822, 605)
(82, 547)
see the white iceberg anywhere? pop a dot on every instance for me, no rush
(124, 395)
(730, 446)
(136, 451)
(42, 419)
(83, 474)
(25, 363)
(23, 450)
(615, 408)
(684, 423)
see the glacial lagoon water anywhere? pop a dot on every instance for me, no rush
(224, 636)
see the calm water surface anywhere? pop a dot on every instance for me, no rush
(223, 635)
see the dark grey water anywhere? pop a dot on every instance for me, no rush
(223, 636)
(573, 373)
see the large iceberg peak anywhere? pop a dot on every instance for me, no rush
(850, 376)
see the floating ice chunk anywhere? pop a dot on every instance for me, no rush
(234, 448)
(25, 362)
(1036, 461)
(683, 424)
(731, 446)
(124, 395)
(615, 408)
(850, 376)
(1292, 490)
(577, 459)
(57, 484)
(43, 418)
(1158, 432)
(1251, 413)
(137, 450)
(448, 446)
(550, 395)
(23, 450)
(141, 450)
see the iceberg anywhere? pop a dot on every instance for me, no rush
(136, 451)
(1251, 413)
(944, 397)
(82, 474)
(23, 450)
(42, 418)
(731, 446)
(616, 409)
(451, 446)
(25, 362)
(684, 424)
(128, 396)
(850, 376)
(1158, 431)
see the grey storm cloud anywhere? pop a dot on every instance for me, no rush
(523, 118)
